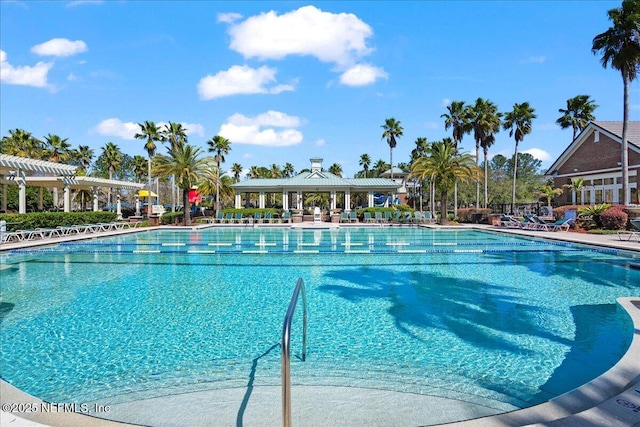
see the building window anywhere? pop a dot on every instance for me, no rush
(578, 197)
(608, 181)
(633, 178)
(597, 181)
(598, 196)
(620, 198)
(587, 197)
(608, 196)
(596, 136)
(634, 196)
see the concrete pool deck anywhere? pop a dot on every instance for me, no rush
(612, 399)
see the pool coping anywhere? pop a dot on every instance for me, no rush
(614, 395)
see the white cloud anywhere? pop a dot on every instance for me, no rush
(362, 75)
(432, 125)
(82, 2)
(533, 60)
(538, 154)
(445, 102)
(24, 75)
(59, 47)
(240, 80)
(320, 142)
(260, 130)
(116, 127)
(228, 18)
(337, 38)
(72, 77)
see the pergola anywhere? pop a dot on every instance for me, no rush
(13, 170)
(315, 181)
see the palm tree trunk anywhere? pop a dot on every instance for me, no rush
(150, 183)
(187, 208)
(443, 208)
(391, 160)
(624, 146)
(515, 171)
(486, 172)
(218, 189)
(478, 181)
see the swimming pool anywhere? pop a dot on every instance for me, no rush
(502, 321)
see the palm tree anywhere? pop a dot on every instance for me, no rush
(236, 168)
(444, 166)
(620, 47)
(336, 169)
(176, 135)
(188, 167)
(392, 131)
(84, 157)
(576, 186)
(365, 162)
(578, 114)
(149, 131)
(380, 166)
(457, 119)
(485, 121)
(23, 144)
(518, 121)
(56, 148)
(139, 165)
(221, 147)
(288, 170)
(113, 159)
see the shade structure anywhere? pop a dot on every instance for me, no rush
(145, 193)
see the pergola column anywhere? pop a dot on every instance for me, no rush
(67, 198)
(21, 180)
(370, 199)
(285, 200)
(94, 193)
(261, 200)
(238, 201)
(347, 200)
(332, 200)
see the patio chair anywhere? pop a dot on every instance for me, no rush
(387, 216)
(634, 234)
(317, 215)
(379, 218)
(429, 218)
(268, 217)
(228, 217)
(344, 217)
(367, 217)
(353, 216)
(561, 224)
(286, 217)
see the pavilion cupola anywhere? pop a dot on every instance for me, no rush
(316, 164)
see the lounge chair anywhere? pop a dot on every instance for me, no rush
(561, 224)
(429, 218)
(8, 236)
(344, 217)
(286, 217)
(228, 217)
(353, 216)
(379, 218)
(317, 215)
(387, 216)
(631, 234)
(268, 217)
(367, 217)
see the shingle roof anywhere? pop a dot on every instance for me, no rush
(633, 130)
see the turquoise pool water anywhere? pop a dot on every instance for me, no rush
(476, 316)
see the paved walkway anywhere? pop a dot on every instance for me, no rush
(612, 399)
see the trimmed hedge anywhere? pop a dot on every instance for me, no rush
(466, 214)
(29, 221)
(170, 218)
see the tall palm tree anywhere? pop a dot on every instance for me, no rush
(365, 162)
(288, 170)
(578, 114)
(392, 132)
(221, 147)
(113, 159)
(518, 121)
(485, 121)
(56, 148)
(175, 134)
(149, 131)
(236, 168)
(620, 47)
(336, 169)
(458, 119)
(445, 166)
(275, 171)
(188, 167)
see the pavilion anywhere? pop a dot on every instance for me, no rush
(314, 181)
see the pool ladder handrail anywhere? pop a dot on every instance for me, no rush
(286, 348)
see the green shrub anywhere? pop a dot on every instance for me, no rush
(614, 218)
(29, 221)
(170, 218)
(466, 214)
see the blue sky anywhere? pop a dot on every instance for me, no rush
(287, 81)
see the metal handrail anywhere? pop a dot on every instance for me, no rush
(286, 349)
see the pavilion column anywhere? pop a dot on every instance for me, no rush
(347, 200)
(21, 180)
(261, 200)
(299, 200)
(118, 208)
(67, 198)
(238, 202)
(370, 199)
(332, 200)
(54, 194)
(4, 196)
(95, 192)
(285, 200)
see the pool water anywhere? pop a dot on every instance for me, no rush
(481, 317)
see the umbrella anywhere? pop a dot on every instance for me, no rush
(145, 193)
